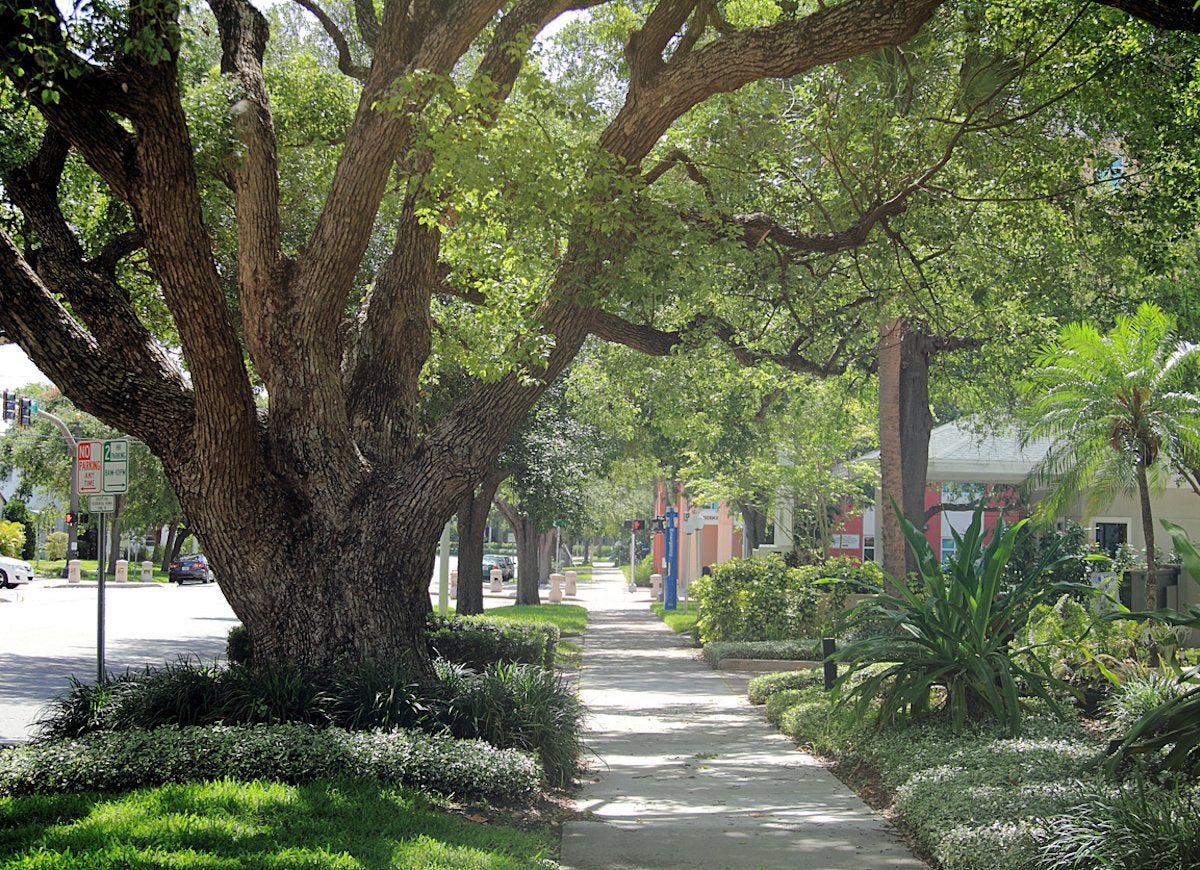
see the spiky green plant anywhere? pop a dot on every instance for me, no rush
(951, 640)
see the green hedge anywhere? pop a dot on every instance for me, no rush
(107, 761)
(976, 800)
(764, 599)
(765, 685)
(477, 641)
(800, 649)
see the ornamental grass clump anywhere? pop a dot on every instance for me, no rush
(948, 645)
(1134, 826)
(512, 706)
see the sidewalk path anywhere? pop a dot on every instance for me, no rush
(688, 774)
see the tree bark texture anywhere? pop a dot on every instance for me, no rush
(1143, 482)
(529, 557)
(904, 427)
(472, 524)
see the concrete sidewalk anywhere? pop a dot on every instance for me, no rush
(688, 774)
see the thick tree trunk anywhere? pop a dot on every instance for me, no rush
(472, 525)
(176, 535)
(528, 553)
(114, 536)
(905, 424)
(529, 565)
(545, 556)
(891, 479)
(754, 522)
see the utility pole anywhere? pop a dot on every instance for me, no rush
(72, 449)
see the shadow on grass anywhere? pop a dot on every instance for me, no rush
(346, 823)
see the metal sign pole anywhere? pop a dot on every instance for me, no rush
(100, 602)
(444, 573)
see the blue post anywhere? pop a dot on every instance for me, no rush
(671, 555)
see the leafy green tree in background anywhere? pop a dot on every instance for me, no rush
(12, 538)
(1119, 411)
(460, 205)
(40, 456)
(550, 460)
(16, 511)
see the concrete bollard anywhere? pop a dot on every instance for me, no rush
(570, 577)
(121, 574)
(454, 584)
(147, 572)
(497, 578)
(656, 587)
(556, 588)
(73, 571)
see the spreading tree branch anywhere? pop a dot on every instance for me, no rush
(368, 25)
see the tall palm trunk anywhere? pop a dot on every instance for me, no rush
(1148, 533)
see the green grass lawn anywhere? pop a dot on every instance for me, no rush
(680, 620)
(570, 618)
(88, 568)
(583, 573)
(338, 824)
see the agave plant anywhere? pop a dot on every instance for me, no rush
(951, 639)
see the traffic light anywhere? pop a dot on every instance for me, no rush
(27, 412)
(71, 518)
(635, 525)
(10, 405)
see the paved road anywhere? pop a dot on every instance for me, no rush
(48, 633)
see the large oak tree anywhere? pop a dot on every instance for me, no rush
(299, 434)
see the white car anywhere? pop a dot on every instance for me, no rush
(13, 572)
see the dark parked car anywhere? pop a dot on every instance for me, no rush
(506, 564)
(191, 567)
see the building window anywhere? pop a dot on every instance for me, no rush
(948, 549)
(868, 548)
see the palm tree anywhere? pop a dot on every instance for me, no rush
(1118, 412)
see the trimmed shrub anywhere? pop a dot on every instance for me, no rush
(785, 650)
(478, 642)
(641, 573)
(762, 687)
(56, 546)
(287, 753)
(238, 649)
(763, 599)
(753, 599)
(782, 701)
